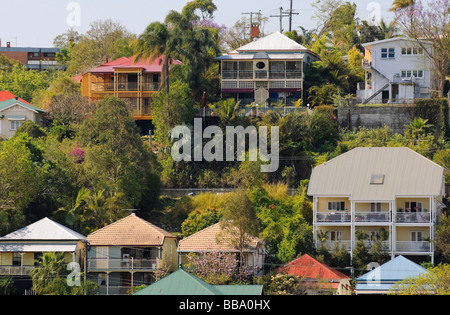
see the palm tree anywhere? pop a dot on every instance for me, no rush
(157, 41)
(401, 4)
(388, 29)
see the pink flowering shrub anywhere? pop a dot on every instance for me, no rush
(78, 154)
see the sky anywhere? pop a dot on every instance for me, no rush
(35, 23)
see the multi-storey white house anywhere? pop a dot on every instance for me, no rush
(391, 192)
(397, 70)
(269, 68)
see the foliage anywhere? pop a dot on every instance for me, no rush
(433, 282)
(282, 284)
(50, 277)
(199, 220)
(218, 268)
(22, 82)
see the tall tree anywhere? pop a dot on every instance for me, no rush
(158, 41)
(240, 221)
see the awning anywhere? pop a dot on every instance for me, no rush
(17, 117)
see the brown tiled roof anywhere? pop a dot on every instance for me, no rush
(130, 231)
(212, 238)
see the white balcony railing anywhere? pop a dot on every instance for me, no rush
(413, 247)
(16, 270)
(121, 264)
(331, 245)
(413, 217)
(372, 216)
(334, 217)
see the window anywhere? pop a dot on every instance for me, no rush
(375, 207)
(412, 51)
(412, 206)
(411, 73)
(335, 235)
(17, 259)
(102, 252)
(336, 206)
(16, 124)
(387, 53)
(416, 236)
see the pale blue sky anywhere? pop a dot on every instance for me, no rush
(28, 23)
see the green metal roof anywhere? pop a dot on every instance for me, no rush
(13, 101)
(182, 282)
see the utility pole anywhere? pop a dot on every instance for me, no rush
(291, 12)
(281, 16)
(251, 19)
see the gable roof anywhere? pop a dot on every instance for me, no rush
(148, 65)
(11, 102)
(129, 231)
(182, 282)
(391, 40)
(212, 238)
(43, 230)
(308, 267)
(273, 42)
(404, 173)
(397, 269)
(6, 95)
(384, 277)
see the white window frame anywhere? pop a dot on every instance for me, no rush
(416, 236)
(15, 124)
(336, 235)
(410, 73)
(376, 207)
(388, 53)
(409, 51)
(336, 205)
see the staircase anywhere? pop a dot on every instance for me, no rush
(367, 100)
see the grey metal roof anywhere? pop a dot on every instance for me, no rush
(406, 173)
(288, 56)
(273, 42)
(43, 230)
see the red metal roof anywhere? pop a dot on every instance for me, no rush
(149, 65)
(308, 267)
(5, 95)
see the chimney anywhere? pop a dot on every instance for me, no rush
(255, 30)
(8, 44)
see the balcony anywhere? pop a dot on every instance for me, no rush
(413, 247)
(121, 264)
(334, 217)
(16, 270)
(413, 217)
(124, 87)
(372, 217)
(331, 245)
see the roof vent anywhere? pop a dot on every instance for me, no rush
(377, 180)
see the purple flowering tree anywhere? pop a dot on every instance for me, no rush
(428, 23)
(218, 268)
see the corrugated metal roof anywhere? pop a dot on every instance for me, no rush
(182, 282)
(273, 42)
(43, 230)
(308, 267)
(294, 56)
(406, 173)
